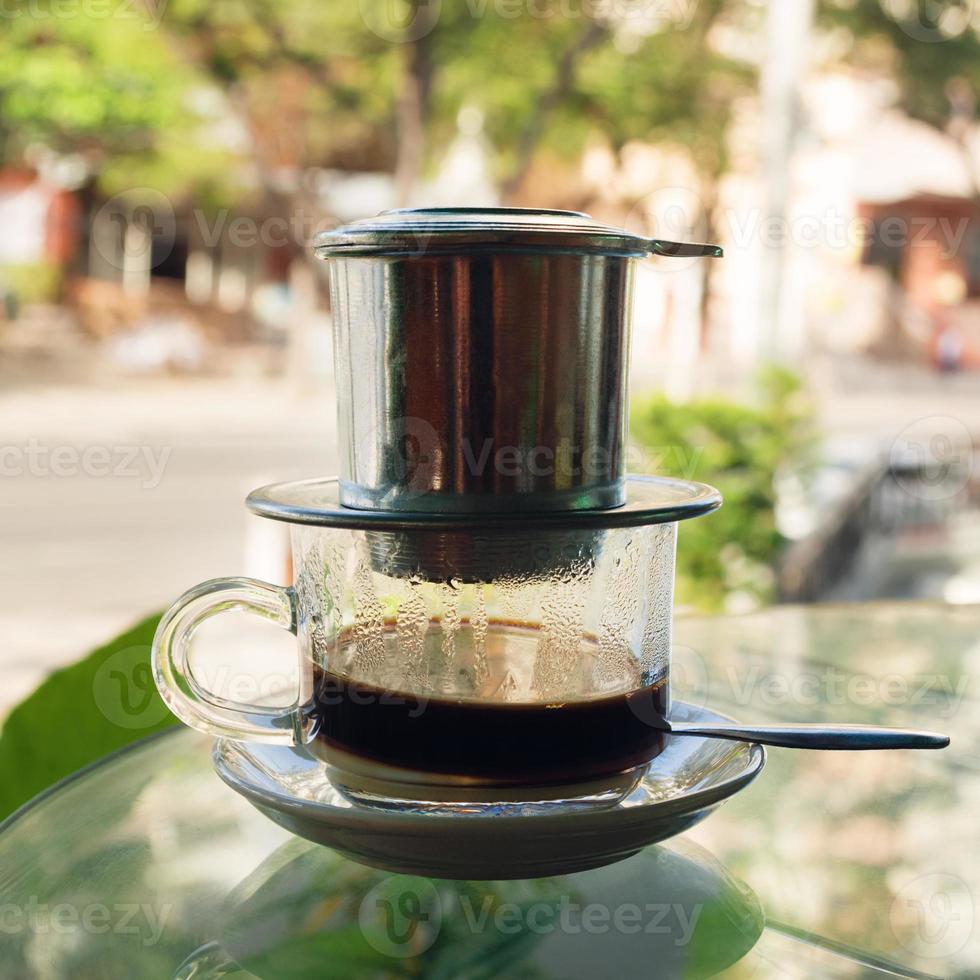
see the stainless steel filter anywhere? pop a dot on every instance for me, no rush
(482, 358)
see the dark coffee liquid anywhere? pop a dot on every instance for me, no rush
(512, 740)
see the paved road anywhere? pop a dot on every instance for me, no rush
(94, 537)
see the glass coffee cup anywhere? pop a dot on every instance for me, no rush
(451, 657)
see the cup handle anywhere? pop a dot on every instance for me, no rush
(188, 699)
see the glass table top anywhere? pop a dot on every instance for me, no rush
(828, 865)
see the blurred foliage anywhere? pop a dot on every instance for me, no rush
(932, 50)
(726, 560)
(324, 85)
(347, 63)
(314, 86)
(174, 95)
(554, 81)
(31, 282)
(105, 86)
(75, 82)
(79, 714)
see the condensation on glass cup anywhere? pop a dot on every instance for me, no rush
(567, 615)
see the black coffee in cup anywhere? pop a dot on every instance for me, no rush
(483, 721)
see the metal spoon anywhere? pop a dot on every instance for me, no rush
(852, 737)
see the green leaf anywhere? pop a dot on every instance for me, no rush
(79, 714)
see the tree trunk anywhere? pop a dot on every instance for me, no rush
(710, 202)
(413, 102)
(547, 103)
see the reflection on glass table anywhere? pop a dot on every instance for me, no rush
(829, 865)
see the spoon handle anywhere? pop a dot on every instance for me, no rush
(851, 737)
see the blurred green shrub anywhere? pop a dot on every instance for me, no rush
(31, 282)
(725, 561)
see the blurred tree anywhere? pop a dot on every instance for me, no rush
(106, 89)
(315, 86)
(379, 84)
(375, 85)
(383, 85)
(931, 50)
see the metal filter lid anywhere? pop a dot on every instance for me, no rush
(418, 231)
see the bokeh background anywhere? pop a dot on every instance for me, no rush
(165, 338)
(165, 347)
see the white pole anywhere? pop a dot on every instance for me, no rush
(788, 24)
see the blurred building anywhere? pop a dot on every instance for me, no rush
(38, 220)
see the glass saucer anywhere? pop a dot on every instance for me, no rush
(518, 839)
